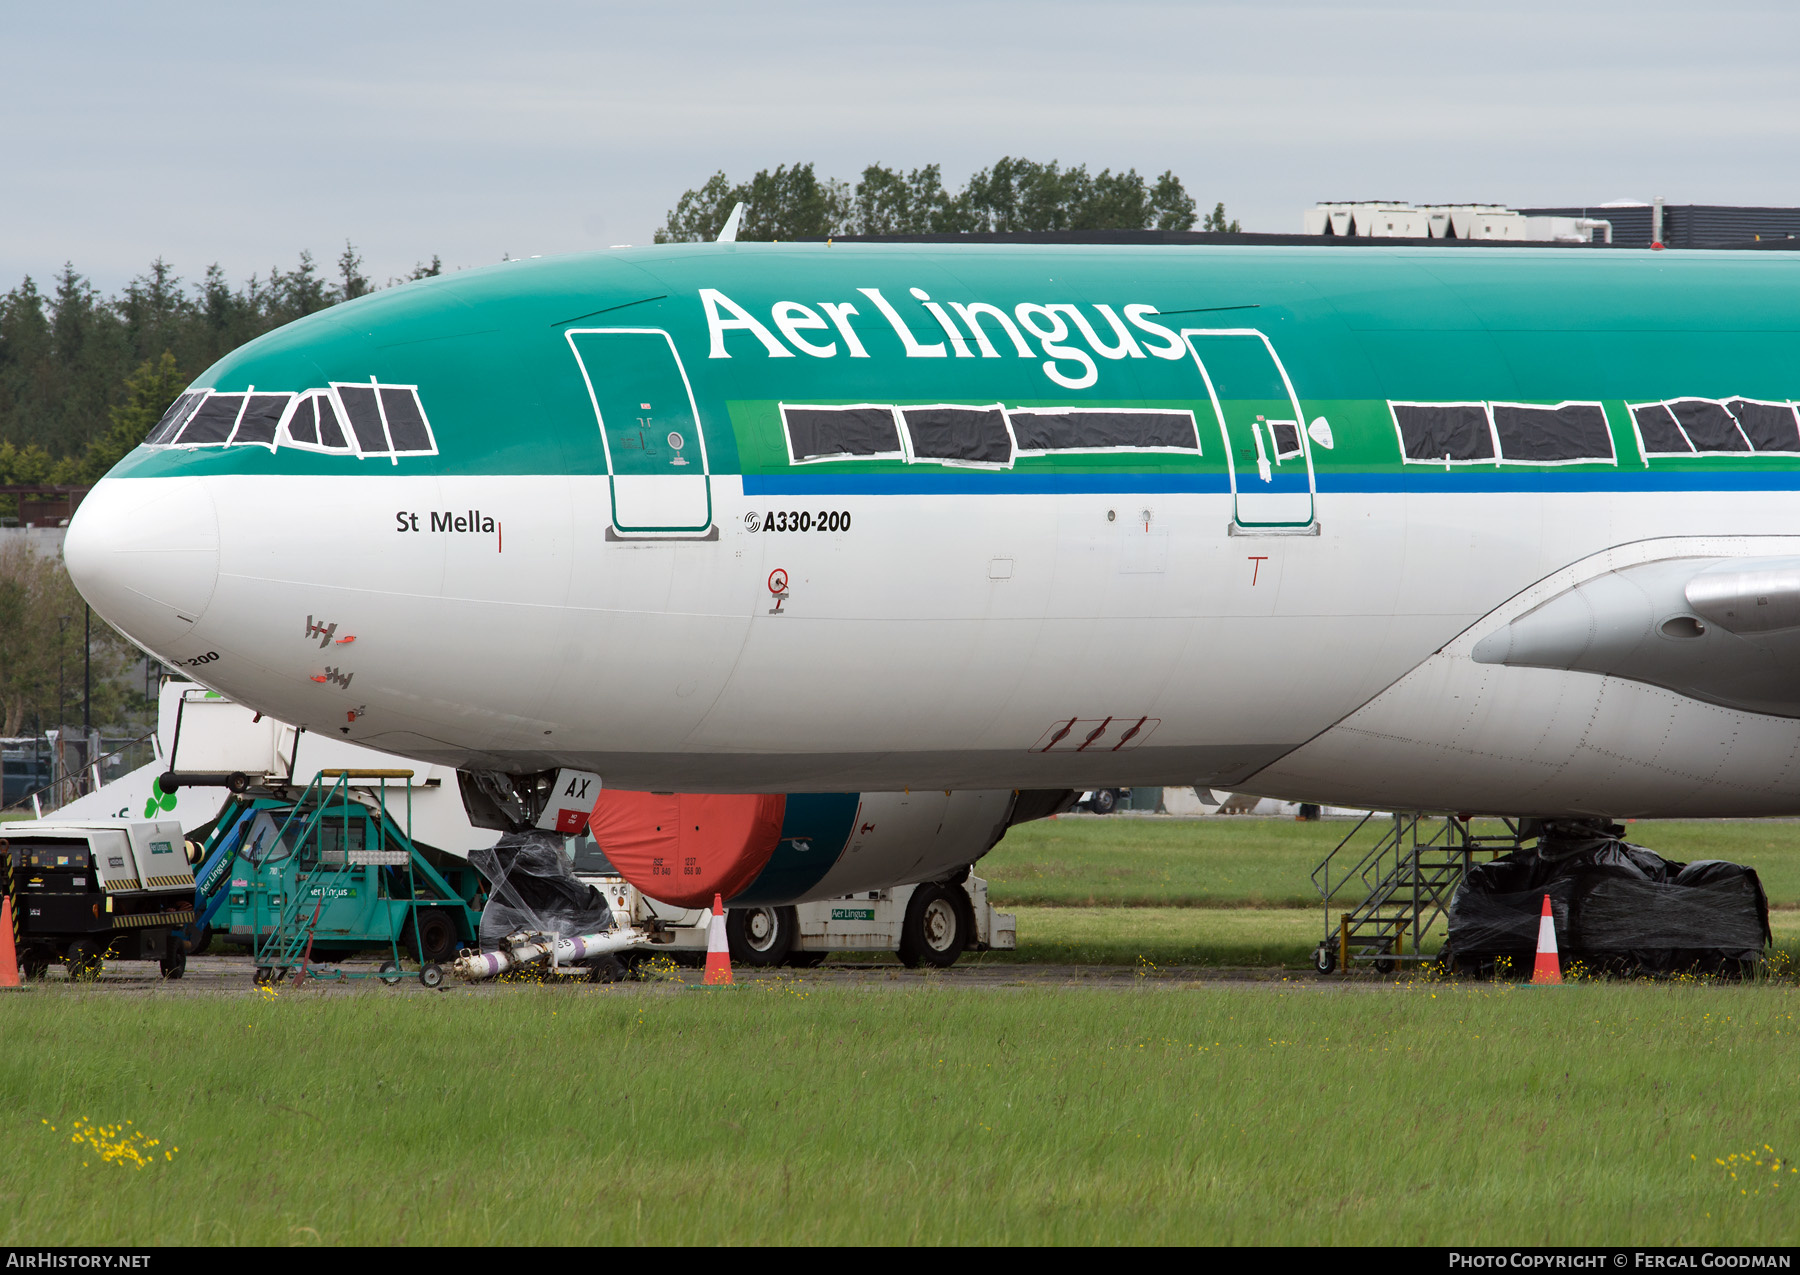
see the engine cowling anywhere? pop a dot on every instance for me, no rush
(770, 848)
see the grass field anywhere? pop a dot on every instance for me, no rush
(800, 1113)
(1121, 861)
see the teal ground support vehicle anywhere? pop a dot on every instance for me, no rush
(315, 879)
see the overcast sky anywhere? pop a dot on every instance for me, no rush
(242, 133)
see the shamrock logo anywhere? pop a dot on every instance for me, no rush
(159, 800)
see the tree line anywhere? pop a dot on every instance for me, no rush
(1011, 195)
(83, 377)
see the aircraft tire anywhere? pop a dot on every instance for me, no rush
(436, 936)
(761, 935)
(1103, 801)
(938, 926)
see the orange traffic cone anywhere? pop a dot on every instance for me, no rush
(9, 954)
(718, 953)
(1548, 969)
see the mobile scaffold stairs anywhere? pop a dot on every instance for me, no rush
(1406, 879)
(323, 833)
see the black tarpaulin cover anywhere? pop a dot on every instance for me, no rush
(1661, 435)
(1770, 427)
(1709, 426)
(1071, 429)
(1568, 431)
(818, 432)
(1614, 903)
(532, 886)
(1444, 431)
(976, 435)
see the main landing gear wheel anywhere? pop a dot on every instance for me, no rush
(761, 935)
(937, 927)
(1325, 958)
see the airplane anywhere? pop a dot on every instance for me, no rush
(1507, 531)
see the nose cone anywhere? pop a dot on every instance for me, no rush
(145, 554)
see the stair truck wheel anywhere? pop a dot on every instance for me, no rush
(436, 941)
(174, 961)
(937, 926)
(761, 935)
(1325, 957)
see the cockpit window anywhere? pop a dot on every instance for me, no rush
(367, 419)
(364, 411)
(314, 425)
(214, 421)
(406, 425)
(331, 425)
(173, 419)
(385, 418)
(260, 417)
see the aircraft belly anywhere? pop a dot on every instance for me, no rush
(1459, 734)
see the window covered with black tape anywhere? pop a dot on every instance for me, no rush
(1616, 906)
(1684, 427)
(1659, 431)
(1708, 426)
(1769, 427)
(1443, 431)
(1072, 429)
(1534, 434)
(860, 430)
(955, 434)
(212, 422)
(315, 424)
(384, 418)
(260, 417)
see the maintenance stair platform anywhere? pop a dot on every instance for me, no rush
(1406, 879)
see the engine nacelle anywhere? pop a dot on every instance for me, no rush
(772, 848)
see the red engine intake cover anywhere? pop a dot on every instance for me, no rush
(683, 848)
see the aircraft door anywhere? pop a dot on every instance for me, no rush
(1266, 451)
(649, 428)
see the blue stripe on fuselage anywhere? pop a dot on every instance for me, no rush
(1216, 484)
